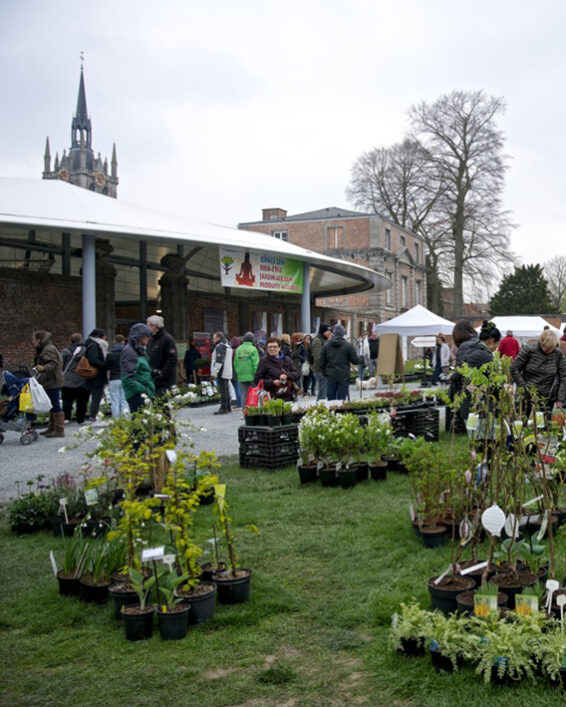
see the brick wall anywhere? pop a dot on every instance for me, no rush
(35, 300)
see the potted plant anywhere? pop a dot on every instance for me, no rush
(348, 445)
(410, 629)
(287, 416)
(484, 600)
(103, 558)
(235, 585)
(449, 641)
(428, 477)
(551, 656)
(172, 613)
(138, 618)
(505, 651)
(378, 434)
(74, 558)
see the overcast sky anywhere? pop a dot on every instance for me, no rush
(220, 108)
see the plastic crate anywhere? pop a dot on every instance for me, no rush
(273, 435)
(268, 463)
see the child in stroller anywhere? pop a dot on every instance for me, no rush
(10, 417)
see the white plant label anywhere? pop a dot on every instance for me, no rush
(512, 526)
(153, 553)
(169, 561)
(540, 419)
(54, 563)
(395, 620)
(493, 520)
(91, 497)
(441, 576)
(472, 421)
(474, 568)
(543, 527)
(412, 512)
(160, 495)
(533, 500)
(466, 531)
(171, 455)
(561, 600)
(63, 505)
(551, 585)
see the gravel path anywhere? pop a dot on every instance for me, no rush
(24, 463)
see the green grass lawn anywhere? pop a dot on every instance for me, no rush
(330, 567)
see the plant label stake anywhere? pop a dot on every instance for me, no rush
(169, 560)
(55, 570)
(561, 600)
(171, 455)
(493, 520)
(543, 526)
(474, 568)
(91, 497)
(533, 500)
(551, 585)
(63, 505)
(512, 526)
(441, 576)
(153, 553)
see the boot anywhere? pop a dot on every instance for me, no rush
(58, 425)
(49, 429)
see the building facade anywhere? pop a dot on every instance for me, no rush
(80, 166)
(366, 239)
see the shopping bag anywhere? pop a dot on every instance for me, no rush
(85, 369)
(305, 368)
(26, 404)
(257, 396)
(39, 398)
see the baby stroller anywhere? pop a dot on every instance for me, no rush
(11, 419)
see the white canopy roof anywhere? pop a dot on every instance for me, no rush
(53, 205)
(418, 321)
(522, 326)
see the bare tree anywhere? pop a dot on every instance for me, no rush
(555, 273)
(444, 182)
(458, 131)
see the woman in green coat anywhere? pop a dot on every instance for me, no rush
(246, 359)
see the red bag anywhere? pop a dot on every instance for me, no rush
(257, 396)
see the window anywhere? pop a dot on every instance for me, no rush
(214, 319)
(387, 239)
(403, 241)
(282, 235)
(418, 292)
(389, 292)
(416, 252)
(404, 291)
(335, 236)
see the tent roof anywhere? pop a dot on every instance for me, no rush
(418, 321)
(55, 205)
(522, 325)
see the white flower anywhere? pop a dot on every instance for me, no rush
(61, 450)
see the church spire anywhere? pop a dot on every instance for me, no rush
(81, 130)
(47, 158)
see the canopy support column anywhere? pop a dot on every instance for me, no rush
(306, 300)
(89, 284)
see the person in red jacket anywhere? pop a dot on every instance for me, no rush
(509, 346)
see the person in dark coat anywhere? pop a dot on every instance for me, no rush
(539, 366)
(74, 389)
(337, 357)
(191, 355)
(49, 366)
(277, 371)
(162, 352)
(319, 341)
(304, 356)
(96, 350)
(115, 388)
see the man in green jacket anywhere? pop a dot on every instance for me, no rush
(246, 359)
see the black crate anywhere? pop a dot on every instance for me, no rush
(268, 463)
(268, 451)
(271, 435)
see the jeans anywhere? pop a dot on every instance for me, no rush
(55, 397)
(321, 383)
(117, 398)
(237, 392)
(245, 386)
(372, 367)
(337, 390)
(95, 399)
(361, 369)
(437, 372)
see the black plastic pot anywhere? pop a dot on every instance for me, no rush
(68, 586)
(138, 626)
(208, 571)
(173, 624)
(442, 662)
(307, 474)
(287, 419)
(434, 537)
(465, 601)
(250, 420)
(122, 596)
(95, 593)
(328, 476)
(513, 590)
(445, 599)
(412, 647)
(347, 478)
(233, 590)
(361, 471)
(378, 470)
(202, 604)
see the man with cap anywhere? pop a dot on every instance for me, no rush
(509, 346)
(337, 357)
(324, 335)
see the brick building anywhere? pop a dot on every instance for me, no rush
(362, 238)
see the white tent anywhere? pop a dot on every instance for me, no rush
(418, 321)
(522, 327)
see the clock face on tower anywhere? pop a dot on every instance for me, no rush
(64, 175)
(99, 179)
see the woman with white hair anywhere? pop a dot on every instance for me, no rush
(542, 366)
(162, 352)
